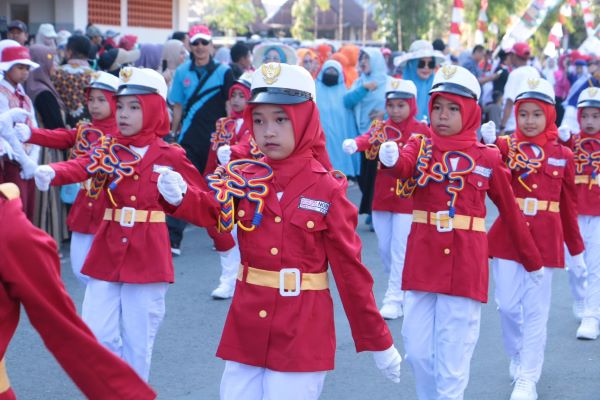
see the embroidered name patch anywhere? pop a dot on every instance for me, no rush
(314, 205)
(557, 162)
(483, 171)
(156, 167)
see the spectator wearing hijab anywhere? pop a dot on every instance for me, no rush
(128, 42)
(419, 66)
(273, 52)
(337, 120)
(351, 73)
(150, 55)
(50, 214)
(173, 55)
(343, 60)
(309, 60)
(46, 35)
(366, 99)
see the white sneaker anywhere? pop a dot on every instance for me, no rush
(391, 311)
(223, 292)
(176, 251)
(578, 309)
(589, 329)
(513, 368)
(524, 390)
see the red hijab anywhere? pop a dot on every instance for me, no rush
(581, 132)
(108, 125)
(309, 141)
(245, 90)
(410, 125)
(550, 132)
(471, 120)
(155, 123)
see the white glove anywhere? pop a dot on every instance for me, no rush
(224, 154)
(389, 154)
(43, 176)
(488, 132)
(388, 361)
(349, 146)
(578, 265)
(8, 119)
(23, 132)
(537, 276)
(6, 149)
(564, 132)
(28, 162)
(171, 186)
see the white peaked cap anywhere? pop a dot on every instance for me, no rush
(536, 88)
(590, 97)
(275, 83)
(456, 80)
(134, 81)
(400, 89)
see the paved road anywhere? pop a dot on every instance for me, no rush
(184, 365)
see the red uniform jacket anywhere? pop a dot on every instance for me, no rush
(86, 212)
(236, 134)
(456, 262)
(30, 276)
(297, 334)
(141, 253)
(553, 182)
(588, 195)
(386, 196)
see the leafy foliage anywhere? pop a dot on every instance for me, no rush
(231, 16)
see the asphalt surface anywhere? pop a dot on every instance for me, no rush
(185, 367)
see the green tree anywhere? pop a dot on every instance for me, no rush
(304, 14)
(231, 16)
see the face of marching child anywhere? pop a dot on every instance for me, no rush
(237, 101)
(531, 119)
(98, 105)
(397, 109)
(17, 74)
(590, 120)
(273, 131)
(130, 116)
(446, 119)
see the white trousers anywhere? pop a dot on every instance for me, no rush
(582, 288)
(440, 333)
(125, 318)
(80, 247)
(524, 307)
(241, 381)
(392, 231)
(230, 262)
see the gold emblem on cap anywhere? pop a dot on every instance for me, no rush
(533, 83)
(95, 75)
(125, 74)
(593, 91)
(448, 71)
(271, 72)
(395, 83)
(49, 56)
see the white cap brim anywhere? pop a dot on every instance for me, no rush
(200, 36)
(400, 61)
(5, 66)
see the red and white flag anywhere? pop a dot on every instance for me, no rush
(457, 19)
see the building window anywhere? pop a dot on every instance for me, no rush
(150, 13)
(106, 12)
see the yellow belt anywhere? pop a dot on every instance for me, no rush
(463, 222)
(131, 215)
(272, 279)
(4, 382)
(585, 179)
(542, 205)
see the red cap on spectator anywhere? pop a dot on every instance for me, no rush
(200, 32)
(521, 50)
(128, 42)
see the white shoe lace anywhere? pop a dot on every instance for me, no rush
(524, 386)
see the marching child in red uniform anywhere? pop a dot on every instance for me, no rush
(392, 213)
(30, 277)
(129, 264)
(445, 275)
(87, 211)
(543, 180)
(585, 284)
(294, 220)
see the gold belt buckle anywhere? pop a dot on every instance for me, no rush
(127, 217)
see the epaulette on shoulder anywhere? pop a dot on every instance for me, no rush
(9, 190)
(177, 145)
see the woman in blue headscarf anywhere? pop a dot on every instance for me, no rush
(419, 66)
(337, 121)
(366, 99)
(273, 52)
